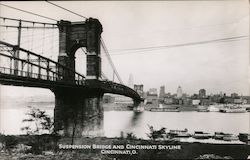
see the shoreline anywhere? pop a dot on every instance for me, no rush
(106, 148)
(129, 107)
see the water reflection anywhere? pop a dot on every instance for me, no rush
(135, 120)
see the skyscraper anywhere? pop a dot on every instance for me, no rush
(131, 80)
(152, 91)
(202, 93)
(162, 92)
(179, 92)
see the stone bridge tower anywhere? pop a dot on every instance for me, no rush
(79, 112)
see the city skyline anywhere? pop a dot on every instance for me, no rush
(190, 94)
(137, 41)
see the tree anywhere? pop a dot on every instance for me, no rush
(131, 136)
(39, 121)
(156, 134)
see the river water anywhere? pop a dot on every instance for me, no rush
(129, 121)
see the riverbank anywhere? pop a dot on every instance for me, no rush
(117, 107)
(147, 107)
(118, 148)
(181, 108)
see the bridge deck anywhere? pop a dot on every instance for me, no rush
(104, 86)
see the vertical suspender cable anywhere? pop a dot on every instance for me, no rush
(43, 40)
(32, 38)
(110, 61)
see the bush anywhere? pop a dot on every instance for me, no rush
(42, 122)
(40, 143)
(156, 134)
(10, 142)
(131, 135)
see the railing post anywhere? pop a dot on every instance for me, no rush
(17, 51)
(10, 65)
(31, 70)
(47, 70)
(21, 68)
(28, 65)
(53, 76)
(39, 67)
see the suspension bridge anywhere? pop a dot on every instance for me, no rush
(42, 55)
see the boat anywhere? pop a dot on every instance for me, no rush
(225, 136)
(244, 137)
(202, 109)
(213, 108)
(248, 109)
(233, 109)
(201, 135)
(164, 109)
(179, 133)
(219, 135)
(230, 137)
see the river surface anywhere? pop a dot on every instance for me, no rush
(128, 121)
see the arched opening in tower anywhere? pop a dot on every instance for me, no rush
(81, 61)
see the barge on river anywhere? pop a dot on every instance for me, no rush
(233, 109)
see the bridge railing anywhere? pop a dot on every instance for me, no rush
(32, 65)
(10, 71)
(27, 69)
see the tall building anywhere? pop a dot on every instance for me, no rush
(152, 96)
(152, 91)
(202, 93)
(162, 93)
(139, 89)
(152, 99)
(234, 95)
(131, 81)
(179, 92)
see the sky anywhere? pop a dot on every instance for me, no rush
(127, 26)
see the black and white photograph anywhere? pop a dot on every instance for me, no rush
(124, 80)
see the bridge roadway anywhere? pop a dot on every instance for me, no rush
(81, 86)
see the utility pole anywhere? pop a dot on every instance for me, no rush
(17, 51)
